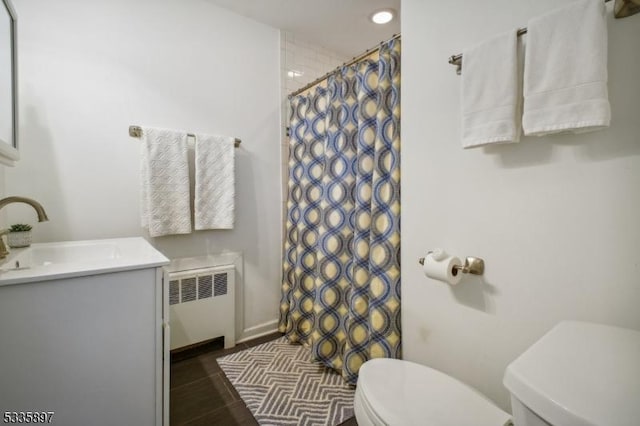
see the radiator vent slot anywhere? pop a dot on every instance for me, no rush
(174, 292)
(204, 286)
(220, 284)
(188, 289)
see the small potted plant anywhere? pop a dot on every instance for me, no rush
(19, 235)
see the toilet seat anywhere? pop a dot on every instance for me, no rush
(397, 392)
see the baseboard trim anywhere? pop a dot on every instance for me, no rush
(258, 331)
(191, 351)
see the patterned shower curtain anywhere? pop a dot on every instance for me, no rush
(341, 274)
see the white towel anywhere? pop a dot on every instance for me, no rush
(565, 77)
(491, 92)
(215, 182)
(164, 170)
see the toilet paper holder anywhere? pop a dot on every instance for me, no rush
(472, 265)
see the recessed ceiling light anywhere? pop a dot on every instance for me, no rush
(383, 16)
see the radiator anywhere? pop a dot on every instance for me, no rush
(202, 305)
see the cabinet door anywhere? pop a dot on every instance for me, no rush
(85, 348)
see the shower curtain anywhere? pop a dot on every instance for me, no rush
(341, 272)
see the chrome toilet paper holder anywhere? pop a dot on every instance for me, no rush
(472, 265)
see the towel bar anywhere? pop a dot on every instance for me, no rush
(621, 9)
(136, 132)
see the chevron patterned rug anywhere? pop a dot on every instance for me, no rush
(282, 385)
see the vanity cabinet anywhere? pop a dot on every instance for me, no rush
(87, 348)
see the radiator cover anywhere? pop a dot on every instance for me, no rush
(201, 305)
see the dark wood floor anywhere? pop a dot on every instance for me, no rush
(202, 395)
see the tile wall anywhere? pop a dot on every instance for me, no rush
(300, 64)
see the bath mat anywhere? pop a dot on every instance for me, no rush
(282, 385)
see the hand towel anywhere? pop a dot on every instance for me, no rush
(164, 169)
(215, 182)
(565, 76)
(491, 92)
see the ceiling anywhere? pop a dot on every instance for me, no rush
(342, 26)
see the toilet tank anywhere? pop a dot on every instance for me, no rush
(578, 374)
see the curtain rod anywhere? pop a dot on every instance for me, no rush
(136, 132)
(622, 9)
(346, 64)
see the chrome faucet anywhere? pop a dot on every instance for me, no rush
(42, 217)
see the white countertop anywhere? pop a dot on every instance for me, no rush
(49, 261)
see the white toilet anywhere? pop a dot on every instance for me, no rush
(578, 374)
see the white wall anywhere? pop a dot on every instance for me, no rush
(89, 69)
(555, 218)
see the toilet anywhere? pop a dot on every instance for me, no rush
(578, 374)
(403, 393)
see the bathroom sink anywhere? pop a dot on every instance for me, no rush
(47, 261)
(59, 253)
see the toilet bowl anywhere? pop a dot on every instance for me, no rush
(578, 374)
(396, 392)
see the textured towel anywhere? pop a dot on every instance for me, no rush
(164, 170)
(491, 92)
(215, 182)
(565, 77)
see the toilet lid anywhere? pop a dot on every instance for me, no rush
(400, 392)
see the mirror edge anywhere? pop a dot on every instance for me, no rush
(9, 152)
